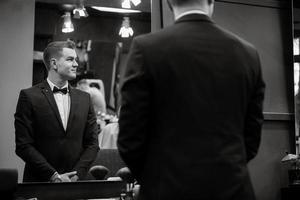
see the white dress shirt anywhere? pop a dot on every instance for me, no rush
(63, 103)
(190, 12)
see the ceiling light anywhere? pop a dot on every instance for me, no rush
(67, 24)
(80, 10)
(115, 10)
(136, 2)
(126, 4)
(126, 31)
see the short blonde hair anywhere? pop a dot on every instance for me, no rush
(54, 49)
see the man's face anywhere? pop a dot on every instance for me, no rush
(66, 65)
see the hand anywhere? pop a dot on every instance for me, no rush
(66, 177)
(74, 178)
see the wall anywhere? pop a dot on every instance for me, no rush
(268, 25)
(16, 39)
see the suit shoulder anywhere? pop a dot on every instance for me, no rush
(237, 39)
(81, 93)
(154, 37)
(32, 88)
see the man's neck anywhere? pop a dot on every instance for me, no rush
(56, 80)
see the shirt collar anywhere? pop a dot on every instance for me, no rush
(52, 85)
(190, 12)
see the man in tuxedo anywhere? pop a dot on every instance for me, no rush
(191, 114)
(55, 124)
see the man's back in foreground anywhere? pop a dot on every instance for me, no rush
(192, 111)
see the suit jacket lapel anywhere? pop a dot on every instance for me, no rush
(46, 90)
(73, 107)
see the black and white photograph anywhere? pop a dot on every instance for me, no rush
(150, 100)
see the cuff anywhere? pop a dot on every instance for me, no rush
(55, 177)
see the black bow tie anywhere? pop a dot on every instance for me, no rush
(63, 90)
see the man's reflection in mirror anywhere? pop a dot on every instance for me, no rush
(55, 124)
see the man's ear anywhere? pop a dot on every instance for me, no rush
(53, 63)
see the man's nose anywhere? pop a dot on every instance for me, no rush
(75, 63)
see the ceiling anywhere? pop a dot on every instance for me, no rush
(144, 6)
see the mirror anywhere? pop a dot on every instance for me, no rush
(296, 13)
(102, 49)
(101, 46)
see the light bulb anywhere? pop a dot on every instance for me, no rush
(126, 4)
(126, 31)
(67, 25)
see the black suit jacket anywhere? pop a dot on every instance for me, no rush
(41, 140)
(191, 114)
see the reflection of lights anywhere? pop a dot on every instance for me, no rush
(296, 77)
(296, 46)
(80, 12)
(296, 65)
(126, 31)
(115, 10)
(67, 25)
(126, 3)
(136, 2)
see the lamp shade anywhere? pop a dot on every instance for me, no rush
(126, 4)
(126, 31)
(80, 12)
(67, 24)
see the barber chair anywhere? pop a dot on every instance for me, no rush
(110, 159)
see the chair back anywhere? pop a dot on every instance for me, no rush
(109, 158)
